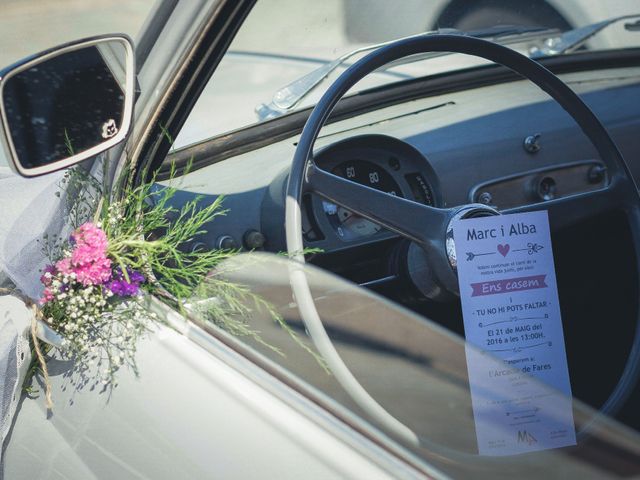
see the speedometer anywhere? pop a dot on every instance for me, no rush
(375, 161)
(348, 225)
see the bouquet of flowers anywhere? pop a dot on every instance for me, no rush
(133, 245)
(93, 302)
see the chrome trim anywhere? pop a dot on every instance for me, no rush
(379, 281)
(472, 210)
(6, 138)
(574, 38)
(156, 103)
(541, 170)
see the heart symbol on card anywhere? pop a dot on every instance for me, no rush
(503, 249)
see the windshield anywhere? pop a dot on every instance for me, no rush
(282, 42)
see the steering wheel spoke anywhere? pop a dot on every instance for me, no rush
(417, 222)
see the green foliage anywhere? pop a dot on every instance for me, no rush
(230, 305)
(147, 233)
(83, 194)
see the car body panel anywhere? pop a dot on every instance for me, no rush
(189, 414)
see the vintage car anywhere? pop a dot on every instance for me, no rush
(461, 221)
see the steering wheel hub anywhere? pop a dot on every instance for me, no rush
(474, 210)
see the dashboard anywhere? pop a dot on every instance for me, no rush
(395, 167)
(504, 145)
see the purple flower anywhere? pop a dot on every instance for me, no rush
(119, 285)
(135, 277)
(47, 275)
(123, 288)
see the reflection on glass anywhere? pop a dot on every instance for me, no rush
(417, 371)
(66, 104)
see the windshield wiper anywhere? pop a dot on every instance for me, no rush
(290, 95)
(572, 39)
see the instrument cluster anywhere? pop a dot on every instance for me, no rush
(376, 161)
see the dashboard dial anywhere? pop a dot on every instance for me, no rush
(347, 224)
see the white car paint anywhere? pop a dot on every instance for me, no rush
(191, 413)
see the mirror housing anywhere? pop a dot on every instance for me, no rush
(67, 104)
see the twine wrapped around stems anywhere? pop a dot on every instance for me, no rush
(37, 315)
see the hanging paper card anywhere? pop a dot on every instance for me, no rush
(516, 357)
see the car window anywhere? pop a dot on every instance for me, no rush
(265, 55)
(416, 371)
(410, 366)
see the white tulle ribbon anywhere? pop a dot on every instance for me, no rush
(30, 209)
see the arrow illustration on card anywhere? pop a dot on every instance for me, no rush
(471, 255)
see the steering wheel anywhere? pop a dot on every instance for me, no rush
(427, 226)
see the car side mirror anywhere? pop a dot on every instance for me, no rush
(67, 104)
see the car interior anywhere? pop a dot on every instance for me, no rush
(482, 136)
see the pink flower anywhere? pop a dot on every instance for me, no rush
(87, 263)
(90, 235)
(84, 253)
(64, 266)
(93, 272)
(89, 257)
(47, 296)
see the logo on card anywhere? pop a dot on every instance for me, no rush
(526, 437)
